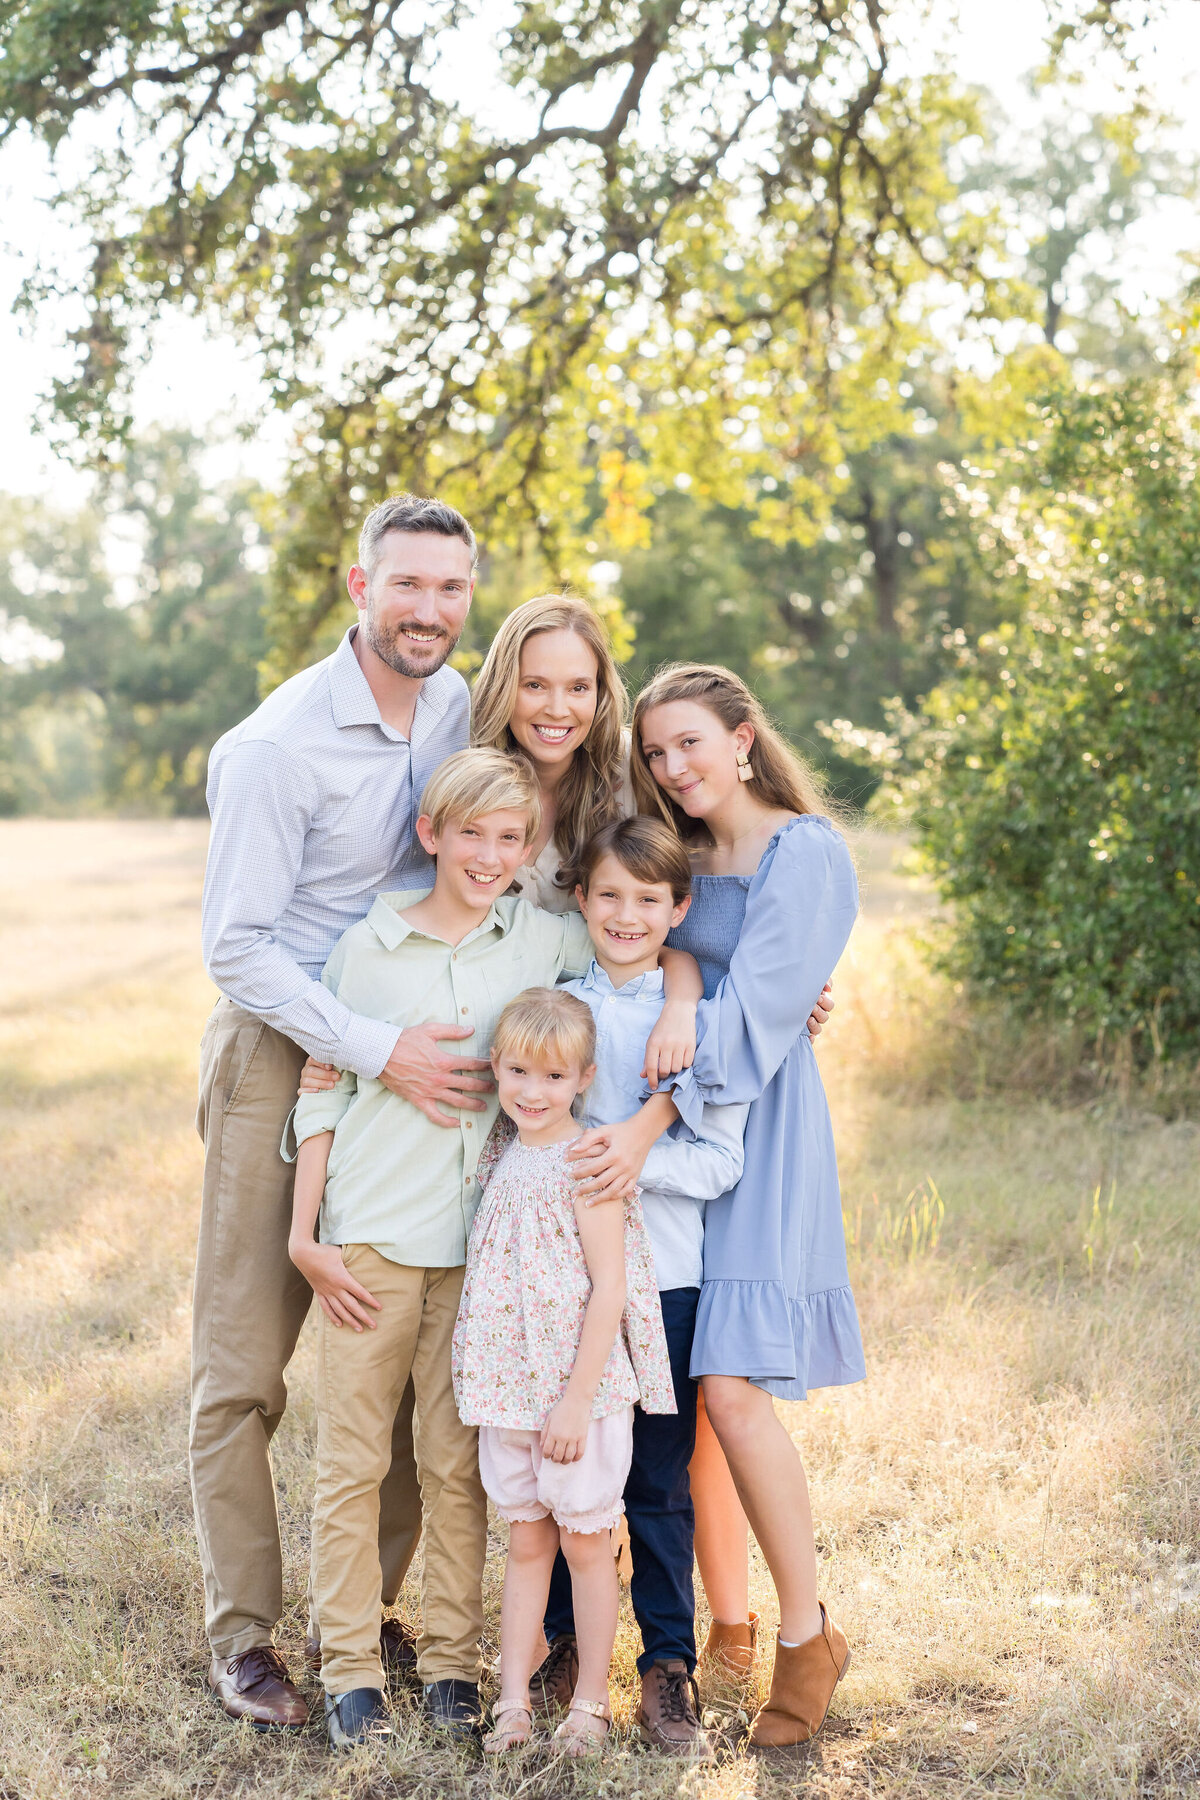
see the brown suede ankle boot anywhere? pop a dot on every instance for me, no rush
(729, 1649)
(802, 1684)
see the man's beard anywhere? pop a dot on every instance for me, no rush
(391, 648)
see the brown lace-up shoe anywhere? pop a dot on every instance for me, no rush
(553, 1681)
(668, 1717)
(397, 1650)
(256, 1686)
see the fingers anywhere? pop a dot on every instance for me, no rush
(588, 1144)
(464, 1084)
(430, 1109)
(360, 1293)
(344, 1310)
(562, 1450)
(650, 1074)
(614, 1188)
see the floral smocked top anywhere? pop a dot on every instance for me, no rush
(526, 1290)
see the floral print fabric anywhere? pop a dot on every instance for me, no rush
(527, 1289)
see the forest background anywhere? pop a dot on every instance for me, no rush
(755, 324)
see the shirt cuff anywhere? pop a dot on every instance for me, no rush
(367, 1045)
(311, 1115)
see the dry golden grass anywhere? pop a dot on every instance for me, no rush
(1009, 1507)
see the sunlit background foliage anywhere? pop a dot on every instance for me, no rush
(720, 313)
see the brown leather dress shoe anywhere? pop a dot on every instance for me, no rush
(397, 1651)
(255, 1686)
(668, 1717)
(802, 1684)
(553, 1681)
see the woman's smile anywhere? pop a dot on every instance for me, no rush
(556, 696)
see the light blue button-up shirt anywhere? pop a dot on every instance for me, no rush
(314, 801)
(684, 1168)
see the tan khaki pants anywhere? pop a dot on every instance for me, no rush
(248, 1307)
(360, 1378)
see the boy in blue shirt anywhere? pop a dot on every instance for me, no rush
(634, 884)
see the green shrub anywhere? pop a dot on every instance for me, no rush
(1053, 781)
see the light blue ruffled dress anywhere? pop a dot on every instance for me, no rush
(776, 1304)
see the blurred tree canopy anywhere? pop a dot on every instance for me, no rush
(1054, 776)
(115, 690)
(673, 238)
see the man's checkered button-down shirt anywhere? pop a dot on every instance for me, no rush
(314, 801)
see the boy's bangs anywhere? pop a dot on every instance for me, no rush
(473, 783)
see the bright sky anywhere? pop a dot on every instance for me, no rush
(210, 383)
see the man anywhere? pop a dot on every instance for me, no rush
(314, 802)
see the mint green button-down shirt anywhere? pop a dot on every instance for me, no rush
(396, 1181)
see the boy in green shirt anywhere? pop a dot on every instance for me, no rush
(396, 1195)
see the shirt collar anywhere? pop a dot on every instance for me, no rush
(355, 704)
(391, 930)
(647, 986)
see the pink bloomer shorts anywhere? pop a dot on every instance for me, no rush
(523, 1485)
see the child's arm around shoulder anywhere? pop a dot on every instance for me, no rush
(602, 1234)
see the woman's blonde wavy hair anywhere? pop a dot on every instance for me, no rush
(590, 792)
(781, 778)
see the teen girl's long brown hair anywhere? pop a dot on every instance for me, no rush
(781, 778)
(590, 792)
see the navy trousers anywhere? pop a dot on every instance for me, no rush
(658, 1511)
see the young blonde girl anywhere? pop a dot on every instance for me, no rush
(559, 1333)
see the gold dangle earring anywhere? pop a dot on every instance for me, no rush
(745, 772)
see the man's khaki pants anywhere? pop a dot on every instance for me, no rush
(360, 1378)
(248, 1307)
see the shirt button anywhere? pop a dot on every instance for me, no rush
(464, 1009)
(467, 1123)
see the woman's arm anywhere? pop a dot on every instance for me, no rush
(602, 1234)
(799, 914)
(607, 1160)
(672, 1044)
(341, 1298)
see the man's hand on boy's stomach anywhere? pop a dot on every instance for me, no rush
(430, 1078)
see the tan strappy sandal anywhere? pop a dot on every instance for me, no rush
(507, 1737)
(581, 1740)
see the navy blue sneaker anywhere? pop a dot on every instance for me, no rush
(359, 1717)
(453, 1706)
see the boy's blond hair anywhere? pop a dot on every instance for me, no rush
(471, 783)
(545, 1022)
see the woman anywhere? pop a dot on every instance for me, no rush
(773, 901)
(550, 690)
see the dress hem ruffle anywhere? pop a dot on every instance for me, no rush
(755, 1330)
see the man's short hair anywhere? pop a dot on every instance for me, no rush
(410, 512)
(471, 783)
(646, 848)
(545, 1023)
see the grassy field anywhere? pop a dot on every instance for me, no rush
(1009, 1507)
